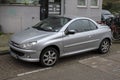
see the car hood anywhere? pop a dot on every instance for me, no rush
(108, 16)
(30, 35)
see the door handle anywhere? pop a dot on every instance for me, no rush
(90, 36)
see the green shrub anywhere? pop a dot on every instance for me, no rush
(1, 33)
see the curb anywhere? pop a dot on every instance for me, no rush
(116, 42)
(4, 52)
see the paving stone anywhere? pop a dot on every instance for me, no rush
(115, 57)
(106, 65)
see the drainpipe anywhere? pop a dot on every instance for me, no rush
(62, 7)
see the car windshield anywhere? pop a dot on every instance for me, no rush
(105, 12)
(52, 24)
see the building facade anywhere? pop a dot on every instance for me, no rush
(20, 14)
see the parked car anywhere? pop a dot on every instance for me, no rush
(106, 15)
(56, 37)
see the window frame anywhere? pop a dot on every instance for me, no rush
(83, 30)
(83, 6)
(93, 6)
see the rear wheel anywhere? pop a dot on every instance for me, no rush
(104, 46)
(49, 57)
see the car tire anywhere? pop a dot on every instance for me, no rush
(104, 46)
(49, 57)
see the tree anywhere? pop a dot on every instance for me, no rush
(112, 5)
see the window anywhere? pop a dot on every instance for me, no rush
(53, 24)
(51, 0)
(24, 1)
(85, 25)
(75, 26)
(92, 25)
(82, 25)
(94, 3)
(19, 1)
(79, 26)
(82, 3)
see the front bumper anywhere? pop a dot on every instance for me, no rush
(25, 55)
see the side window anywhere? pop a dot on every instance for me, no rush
(76, 25)
(85, 25)
(82, 25)
(92, 25)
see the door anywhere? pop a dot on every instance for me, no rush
(43, 9)
(82, 40)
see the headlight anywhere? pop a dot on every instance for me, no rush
(28, 45)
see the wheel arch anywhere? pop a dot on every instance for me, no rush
(100, 50)
(108, 40)
(53, 46)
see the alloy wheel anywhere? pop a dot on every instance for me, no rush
(49, 57)
(104, 47)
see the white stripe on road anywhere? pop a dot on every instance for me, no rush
(35, 71)
(118, 51)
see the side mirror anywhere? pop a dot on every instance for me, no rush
(70, 32)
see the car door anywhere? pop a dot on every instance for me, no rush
(82, 39)
(94, 35)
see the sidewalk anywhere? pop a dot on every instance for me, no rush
(4, 43)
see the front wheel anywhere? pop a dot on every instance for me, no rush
(104, 46)
(49, 57)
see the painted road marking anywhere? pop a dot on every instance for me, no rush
(34, 71)
(103, 64)
(118, 51)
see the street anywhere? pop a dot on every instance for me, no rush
(85, 66)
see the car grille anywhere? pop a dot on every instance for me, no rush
(17, 52)
(14, 44)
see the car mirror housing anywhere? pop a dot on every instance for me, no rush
(70, 32)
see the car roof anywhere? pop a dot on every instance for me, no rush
(106, 12)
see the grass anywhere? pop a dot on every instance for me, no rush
(1, 33)
(4, 38)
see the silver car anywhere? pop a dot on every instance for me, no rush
(56, 36)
